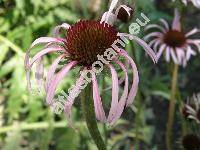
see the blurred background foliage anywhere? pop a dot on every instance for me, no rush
(27, 123)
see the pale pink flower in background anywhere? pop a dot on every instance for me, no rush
(172, 42)
(82, 43)
(191, 110)
(196, 3)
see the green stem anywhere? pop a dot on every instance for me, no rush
(88, 110)
(32, 126)
(172, 102)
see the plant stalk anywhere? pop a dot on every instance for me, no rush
(88, 110)
(171, 111)
(32, 126)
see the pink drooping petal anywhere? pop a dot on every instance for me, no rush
(98, 106)
(43, 52)
(29, 65)
(29, 86)
(153, 42)
(184, 1)
(194, 31)
(153, 34)
(46, 40)
(146, 47)
(155, 26)
(115, 92)
(134, 87)
(122, 79)
(155, 47)
(160, 51)
(165, 24)
(196, 3)
(103, 18)
(60, 75)
(39, 73)
(181, 55)
(40, 41)
(167, 55)
(195, 43)
(127, 65)
(110, 20)
(57, 29)
(174, 57)
(71, 98)
(190, 52)
(51, 71)
(108, 17)
(122, 101)
(112, 6)
(176, 25)
(126, 8)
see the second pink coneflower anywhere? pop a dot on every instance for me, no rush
(172, 42)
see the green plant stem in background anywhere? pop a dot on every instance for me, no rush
(32, 126)
(172, 102)
(11, 45)
(88, 110)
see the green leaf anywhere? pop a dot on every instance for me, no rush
(20, 4)
(27, 41)
(68, 15)
(67, 139)
(7, 67)
(163, 94)
(3, 50)
(13, 141)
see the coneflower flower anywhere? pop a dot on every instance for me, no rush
(190, 142)
(191, 110)
(196, 3)
(172, 41)
(84, 44)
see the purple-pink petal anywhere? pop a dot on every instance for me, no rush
(45, 40)
(98, 106)
(39, 73)
(70, 100)
(43, 52)
(51, 71)
(60, 75)
(134, 87)
(193, 31)
(122, 101)
(57, 29)
(115, 92)
(160, 51)
(165, 24)
(176, 25)
(167, 55)
(146, 47)
(174, 57)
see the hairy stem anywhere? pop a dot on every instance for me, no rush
(172, 102)
(88, 110)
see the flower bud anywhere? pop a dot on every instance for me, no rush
(191, 142)
(124, 13)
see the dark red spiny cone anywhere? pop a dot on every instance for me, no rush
(87, 39)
